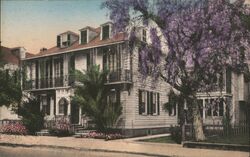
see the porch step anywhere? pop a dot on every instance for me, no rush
(43, 132)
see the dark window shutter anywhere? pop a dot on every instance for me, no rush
(84, 37)
(58, 41)
(148, 103)
(151, 103)
(68, 39)
(228, 80)
(140, 101)
(105, 32)
(158, 103)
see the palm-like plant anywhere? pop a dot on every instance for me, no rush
(91, 94)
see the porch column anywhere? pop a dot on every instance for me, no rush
(80, 115)
(204, 109)
(69, 107)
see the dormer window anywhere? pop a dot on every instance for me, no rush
(105, 32)
(66, 39)
(84, 37)
(144, 35)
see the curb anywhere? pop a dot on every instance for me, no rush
(78, 149)
(218, 146)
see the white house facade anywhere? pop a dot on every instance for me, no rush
(49, 78)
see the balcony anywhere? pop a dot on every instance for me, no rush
(120, 76)
(49, 82)
(115, 77)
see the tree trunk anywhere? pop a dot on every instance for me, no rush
(197, 122)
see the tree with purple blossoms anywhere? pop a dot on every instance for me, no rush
(203, 38)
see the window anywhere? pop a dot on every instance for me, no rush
(215, 107)
(200, 103)
(149, 103)
(45, 102)
(172, 107)
(84, 37)
(58, 41)
(105, 32)
(142, 102)
(144, 35)
(221, 107)
(208, 107)
(63, 106)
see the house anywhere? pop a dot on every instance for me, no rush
(11, 58)
(49, 78)
(234, 97)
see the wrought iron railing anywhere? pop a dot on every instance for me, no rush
(120, 75)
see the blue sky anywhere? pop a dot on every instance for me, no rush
(35, 24)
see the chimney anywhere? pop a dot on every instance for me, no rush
(43, 50)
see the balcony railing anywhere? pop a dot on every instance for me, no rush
(49, 82)
(120, 76)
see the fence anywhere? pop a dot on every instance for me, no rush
(216, 130)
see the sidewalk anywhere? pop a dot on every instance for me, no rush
(121, 146)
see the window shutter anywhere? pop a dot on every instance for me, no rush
(148, 103)
(140, 101)
(151, 103)
(158, 103)
(58, 41)
(228, 80)
(68, 39)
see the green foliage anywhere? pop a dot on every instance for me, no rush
(91, 94)
(173, 100)
(176, 134)
(226, 121)
(32, 117)
(10, 88)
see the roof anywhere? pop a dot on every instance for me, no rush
(8, 56)
(76, 46)
(69, 32)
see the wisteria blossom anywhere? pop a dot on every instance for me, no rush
(204, 38)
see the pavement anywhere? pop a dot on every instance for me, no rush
(124, 146)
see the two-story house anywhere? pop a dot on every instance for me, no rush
(49, 77)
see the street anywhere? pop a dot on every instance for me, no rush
(48, 152)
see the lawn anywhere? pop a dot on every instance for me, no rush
(165, 139)
(244, 139)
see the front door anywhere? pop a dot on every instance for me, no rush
(74, 114)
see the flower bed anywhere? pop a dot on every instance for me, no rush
(14, 129)
(60, 128)
(99, 135)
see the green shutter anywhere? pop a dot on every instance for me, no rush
(148, 103)
(140, 101)
(58, 41)
(158, 103)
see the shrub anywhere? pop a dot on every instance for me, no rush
(61, 128)
(176, 134)
(32, 117)
(14, 129)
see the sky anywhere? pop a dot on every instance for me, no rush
(34, 24)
